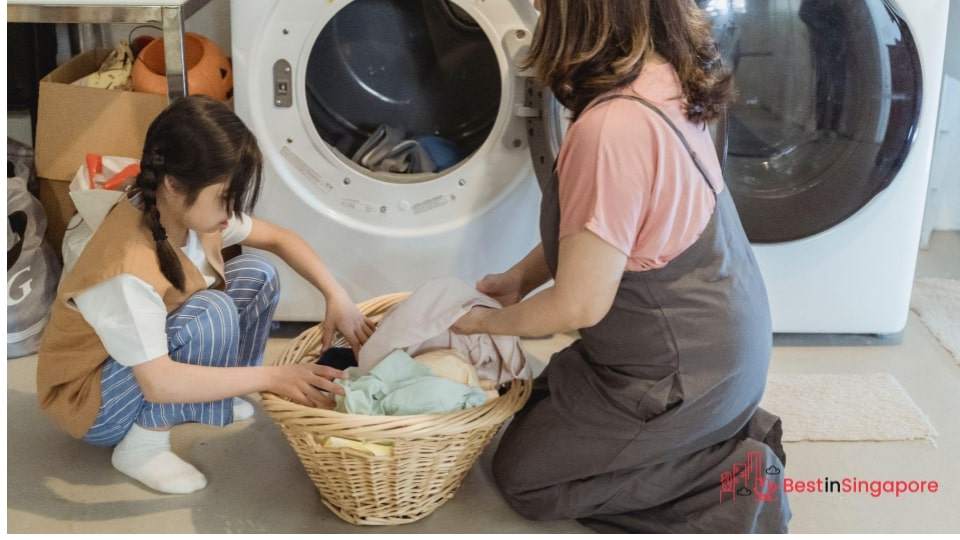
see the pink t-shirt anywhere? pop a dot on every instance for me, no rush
(626, 177)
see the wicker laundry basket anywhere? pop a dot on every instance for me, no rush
(432, 453)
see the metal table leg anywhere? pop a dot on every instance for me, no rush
(173, 52)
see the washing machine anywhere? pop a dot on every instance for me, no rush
(396, 136)
(828, 151)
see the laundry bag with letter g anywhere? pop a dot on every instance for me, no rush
(33, 270)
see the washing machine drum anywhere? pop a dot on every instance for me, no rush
(828, 100)
(383, 72)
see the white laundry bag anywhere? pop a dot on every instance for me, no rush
(95, 189)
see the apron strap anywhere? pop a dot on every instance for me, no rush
(683, 140)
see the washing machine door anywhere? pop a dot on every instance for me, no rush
(428, 72)
(396, 136)
(828, 100)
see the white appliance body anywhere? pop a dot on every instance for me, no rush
(380, 236)
(376, 234)
(856, 276)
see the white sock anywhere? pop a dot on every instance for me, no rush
(145, 455)
(242, 409)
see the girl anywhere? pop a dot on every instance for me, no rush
(151, 329)
(649, 422)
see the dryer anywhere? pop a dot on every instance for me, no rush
(829, 150)
(320, 83)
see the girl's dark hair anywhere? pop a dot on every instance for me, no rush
(584, 48)
(196, 142)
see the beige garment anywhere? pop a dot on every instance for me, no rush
(377, 449)
(450, 364)
(422, 323)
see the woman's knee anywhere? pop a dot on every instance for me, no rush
(515, 474)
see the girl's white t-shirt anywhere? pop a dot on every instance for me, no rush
(128, 314)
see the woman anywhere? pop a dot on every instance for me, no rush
(649, 422)
(151, 329)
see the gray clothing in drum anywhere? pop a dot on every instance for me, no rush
(650, 421)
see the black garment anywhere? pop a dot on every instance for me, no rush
(632, 427)
(338, 357)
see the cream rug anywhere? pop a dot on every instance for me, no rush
(937, 302)
(835, 407)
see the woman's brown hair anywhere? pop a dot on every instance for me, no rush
(584, 48)
(196, 142)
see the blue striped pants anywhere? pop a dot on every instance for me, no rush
(212, 328)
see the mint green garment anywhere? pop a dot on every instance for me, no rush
(399, 385)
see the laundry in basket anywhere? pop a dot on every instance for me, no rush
(429, 454)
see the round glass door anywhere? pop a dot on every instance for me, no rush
(404, 89)
(828, 99)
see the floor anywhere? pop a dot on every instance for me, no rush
(256, 484)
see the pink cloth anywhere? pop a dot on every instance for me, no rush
(422, 322)
(626, 177)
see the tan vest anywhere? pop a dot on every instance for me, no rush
(71, 357)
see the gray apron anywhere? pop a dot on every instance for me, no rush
(649, 422)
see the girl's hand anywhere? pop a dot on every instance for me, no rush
(343, 316)
(504, 288)
(308, 384)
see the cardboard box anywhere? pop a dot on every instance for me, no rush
(73, 121)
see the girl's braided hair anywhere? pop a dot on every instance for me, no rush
(196, 142)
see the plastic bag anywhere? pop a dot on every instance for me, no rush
(95, 189)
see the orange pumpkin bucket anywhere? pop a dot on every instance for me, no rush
(208, 70)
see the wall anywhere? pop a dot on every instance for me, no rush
(211, 21)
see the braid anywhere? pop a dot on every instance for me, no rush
(146, 186)
(194, 143)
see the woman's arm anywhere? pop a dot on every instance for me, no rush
(588, 276)
(342, 314)
(164, 381)
(511, 286)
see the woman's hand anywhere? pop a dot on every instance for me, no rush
(307, 384)
(343, 316)
(505, 288)
(472, 321)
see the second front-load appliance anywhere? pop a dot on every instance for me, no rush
(829, 150)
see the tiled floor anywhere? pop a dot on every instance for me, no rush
(257, 485)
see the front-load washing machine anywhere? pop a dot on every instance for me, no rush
(396, 136)
(829, 146)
